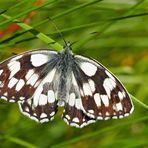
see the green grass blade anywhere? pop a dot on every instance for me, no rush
(36, 33)
(108, 25)
(26, 12)
(67, 12)
(20, 142)
(18, 4)
(139, 102)
(93, 134)
(89, 25)
(76, 8)
(41, 35)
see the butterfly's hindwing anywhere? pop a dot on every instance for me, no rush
(75, 117)
(39, 113)
(42, 106)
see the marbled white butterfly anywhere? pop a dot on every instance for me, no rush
(41, 80)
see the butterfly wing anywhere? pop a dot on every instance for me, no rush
(28, 79)
(32, 80)
(75, 117)
(100, 95)
(73, 114)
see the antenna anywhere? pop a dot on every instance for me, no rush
(56, 27)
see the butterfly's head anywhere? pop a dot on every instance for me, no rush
(67, 50)
(68, 46)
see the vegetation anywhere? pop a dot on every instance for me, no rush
(113, 32)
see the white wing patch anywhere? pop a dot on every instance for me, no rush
(39, 59)
(12, 82)
(43, 100)
(51, 96)
(14, 67)
(1, 71)
(29, 73)
(20, 84)
(97, 99)
(88, 68)
(86, 89)
(105, 100)
(92, 85)
(32, 80)
(72, 98)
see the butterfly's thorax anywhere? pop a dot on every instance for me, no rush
(65, 65)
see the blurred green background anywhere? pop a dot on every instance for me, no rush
(114, 32)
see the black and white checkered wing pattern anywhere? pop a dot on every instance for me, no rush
(95, 94)
(25, 79)
(73, 114)
(41, 80)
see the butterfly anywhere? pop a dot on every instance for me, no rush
(42, 80)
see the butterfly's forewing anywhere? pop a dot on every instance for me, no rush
(28, 79)
(102, 94)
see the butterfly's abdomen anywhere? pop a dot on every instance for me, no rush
(65, 65)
